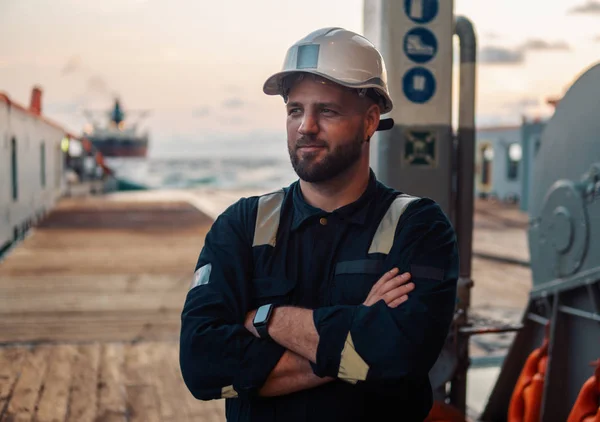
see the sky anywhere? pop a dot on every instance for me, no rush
(198, 66)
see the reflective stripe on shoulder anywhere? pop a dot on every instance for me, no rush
(267, 218)
(384, 236)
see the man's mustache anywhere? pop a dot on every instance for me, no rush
(308, 142)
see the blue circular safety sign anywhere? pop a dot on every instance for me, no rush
(421, 11)
(420, 45)
(419, 85)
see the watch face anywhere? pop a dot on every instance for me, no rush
(261, 314)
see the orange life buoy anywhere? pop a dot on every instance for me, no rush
(526, 399)
(586, 407)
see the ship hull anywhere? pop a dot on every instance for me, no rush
(121, 149)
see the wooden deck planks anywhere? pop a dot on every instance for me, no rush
(98, 382)
(27, 391)
(111, 389)
(54, 397)
(107, 299)
(102, 285)
(83, 401)
(92, 281)
(143, 403)
(11, 362)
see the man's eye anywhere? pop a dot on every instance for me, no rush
(293, 111)
(327, 111)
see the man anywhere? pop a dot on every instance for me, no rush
(330, 299)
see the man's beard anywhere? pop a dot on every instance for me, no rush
(335, 162)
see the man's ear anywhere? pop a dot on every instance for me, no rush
(372, 117)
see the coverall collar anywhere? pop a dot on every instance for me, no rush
(355, 212)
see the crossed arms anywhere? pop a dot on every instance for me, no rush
(294, 329)
(376, 343)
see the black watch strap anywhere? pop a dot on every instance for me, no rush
(262, 331)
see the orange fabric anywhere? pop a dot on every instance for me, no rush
(442, 412)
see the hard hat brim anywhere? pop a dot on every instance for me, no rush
(273, 85)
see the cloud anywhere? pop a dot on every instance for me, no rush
(231, 120)
(590, 8)
(491, 36)
(97, 84)
(537, 44)
(201, 112)
(522, 103)
(234, 103)
(62, 108)
(233, 89)
(514, 56)
(73, 64)
(501, 55)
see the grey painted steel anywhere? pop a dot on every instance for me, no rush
(530, 137)
(570, 141)
(466, 143)
(567, 229)
(463, 209)
(468, 41)
(588, 277)
(564, 237)
(431, 182)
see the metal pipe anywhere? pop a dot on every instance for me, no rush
(502, 259)
(472, 331)
(577, 312)
(537, 318)
(466, 142)
(465, 166)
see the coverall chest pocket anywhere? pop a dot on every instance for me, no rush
(353, 280)
(271, 290)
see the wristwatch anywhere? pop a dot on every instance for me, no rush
(261, 319)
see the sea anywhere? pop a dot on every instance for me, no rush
(236, 166)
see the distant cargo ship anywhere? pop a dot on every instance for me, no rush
(118, 139)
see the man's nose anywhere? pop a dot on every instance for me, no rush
(310, 125)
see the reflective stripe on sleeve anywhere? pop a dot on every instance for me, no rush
(228, 392)
(352, 367)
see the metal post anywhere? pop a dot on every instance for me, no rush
(415, 39)
(465, 197)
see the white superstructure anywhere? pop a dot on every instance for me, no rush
(31, 165)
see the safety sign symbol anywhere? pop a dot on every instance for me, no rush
(419, 85)
(420, 45)
(420, 148)
(421, 11)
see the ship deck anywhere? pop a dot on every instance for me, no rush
(90, 305)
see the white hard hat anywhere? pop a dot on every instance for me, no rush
(339, 55)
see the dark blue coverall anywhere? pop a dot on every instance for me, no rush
(321, 262)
